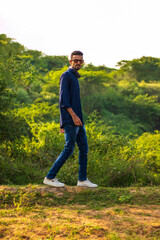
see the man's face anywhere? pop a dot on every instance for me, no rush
(76, 62)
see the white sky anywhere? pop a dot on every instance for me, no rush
(107, 31)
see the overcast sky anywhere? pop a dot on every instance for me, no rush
(107, 31)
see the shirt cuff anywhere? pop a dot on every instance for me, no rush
(66, 106)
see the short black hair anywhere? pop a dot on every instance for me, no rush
(76, 53)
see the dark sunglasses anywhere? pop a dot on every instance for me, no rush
(77, 60)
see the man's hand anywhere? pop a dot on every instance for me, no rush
(61, 130)
(76, 119)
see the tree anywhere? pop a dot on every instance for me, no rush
(8, 47)
(145, 68)
(13, 73)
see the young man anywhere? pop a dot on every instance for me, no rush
(71, 122)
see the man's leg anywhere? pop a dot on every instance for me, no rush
(83, 150)
(70, 139)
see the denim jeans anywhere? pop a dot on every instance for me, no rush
(73, 134)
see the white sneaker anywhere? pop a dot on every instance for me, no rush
(53, 182)
(86, 183)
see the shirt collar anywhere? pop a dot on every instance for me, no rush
(74, 71)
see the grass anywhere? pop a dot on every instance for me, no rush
(42, 212)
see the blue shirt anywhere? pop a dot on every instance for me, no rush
(69, 96)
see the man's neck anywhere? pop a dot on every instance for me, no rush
(76, 72)
(73, 69)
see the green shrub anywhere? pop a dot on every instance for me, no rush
(22, 96)
(120, 153)
(113, 159)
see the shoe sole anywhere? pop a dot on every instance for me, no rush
(87, 186)
(54, 186)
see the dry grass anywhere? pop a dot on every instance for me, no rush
(75, 221)
(122, 222)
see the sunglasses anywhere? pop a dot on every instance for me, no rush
(77, 60)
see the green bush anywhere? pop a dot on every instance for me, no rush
(120, 153)
(28, 158)
(13, 127)
(39, 112)
(113, 160)
(22, 96)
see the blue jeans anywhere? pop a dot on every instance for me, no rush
(73, 134)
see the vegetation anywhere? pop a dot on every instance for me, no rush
(41, 212)
(121, 110)
(122, 115)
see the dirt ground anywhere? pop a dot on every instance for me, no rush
(77, 222)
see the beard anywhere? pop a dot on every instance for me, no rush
(77, 67)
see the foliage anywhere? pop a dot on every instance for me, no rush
(39, 112)
(13, 73)
(122, 115)
(13, 127)
(45, 63)
(92, 82)
(8, 47)
(114, 160)
(91, 67)
(145, 68)
(76, 213)
(19, 197)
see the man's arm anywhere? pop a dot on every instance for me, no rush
(75, 118)
(64, 98)
(65, 102)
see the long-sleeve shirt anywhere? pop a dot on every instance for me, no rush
(69, 96)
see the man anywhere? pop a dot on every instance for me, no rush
(71, 122)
